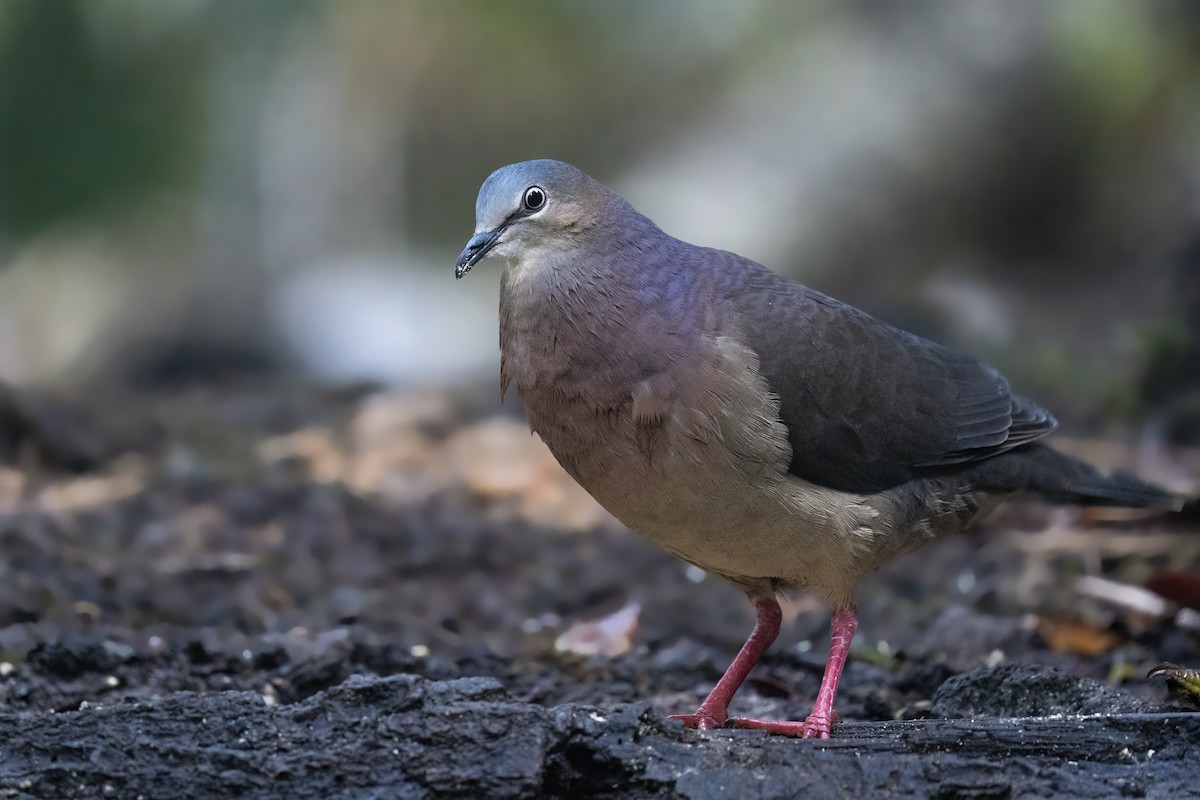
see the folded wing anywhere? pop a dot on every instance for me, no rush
(869, 406)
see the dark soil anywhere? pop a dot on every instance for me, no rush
(286, 593)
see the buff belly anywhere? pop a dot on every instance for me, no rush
(707, 478)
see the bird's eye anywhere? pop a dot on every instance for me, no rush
(534, 198)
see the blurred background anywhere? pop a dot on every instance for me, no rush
(241, 390)
(196, 190)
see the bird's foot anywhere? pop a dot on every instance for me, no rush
(705, 719)
(815, 727)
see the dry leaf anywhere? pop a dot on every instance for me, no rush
(1180, 586)
(609, 636)
(1076, 636)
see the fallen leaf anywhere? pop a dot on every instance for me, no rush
(1076, 636)
(1180, 586)
(609, 636)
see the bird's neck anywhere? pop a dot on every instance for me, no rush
(581, 321)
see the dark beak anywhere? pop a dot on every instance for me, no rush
(476, 249)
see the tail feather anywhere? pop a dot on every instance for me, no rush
(1060, 478)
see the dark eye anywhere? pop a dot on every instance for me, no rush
(534, 198)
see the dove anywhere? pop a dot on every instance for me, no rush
(754, 427)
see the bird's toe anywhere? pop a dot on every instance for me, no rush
(703, 720)
(817, 726)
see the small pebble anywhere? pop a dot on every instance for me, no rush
(965, 582)
(122, 652)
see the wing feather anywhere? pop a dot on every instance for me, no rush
(869, 406)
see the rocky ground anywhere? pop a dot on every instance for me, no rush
(296, 593)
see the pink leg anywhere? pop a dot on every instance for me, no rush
(715, 709)
(845, 623)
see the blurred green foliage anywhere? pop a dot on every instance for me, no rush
(86, 124)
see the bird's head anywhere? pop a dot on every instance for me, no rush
(532, 208)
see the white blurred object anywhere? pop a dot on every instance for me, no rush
(974, 308)
(1123, 595)
(389, 319)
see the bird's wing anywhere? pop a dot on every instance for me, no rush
(869, 406)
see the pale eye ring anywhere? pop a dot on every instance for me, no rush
(534, 198)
